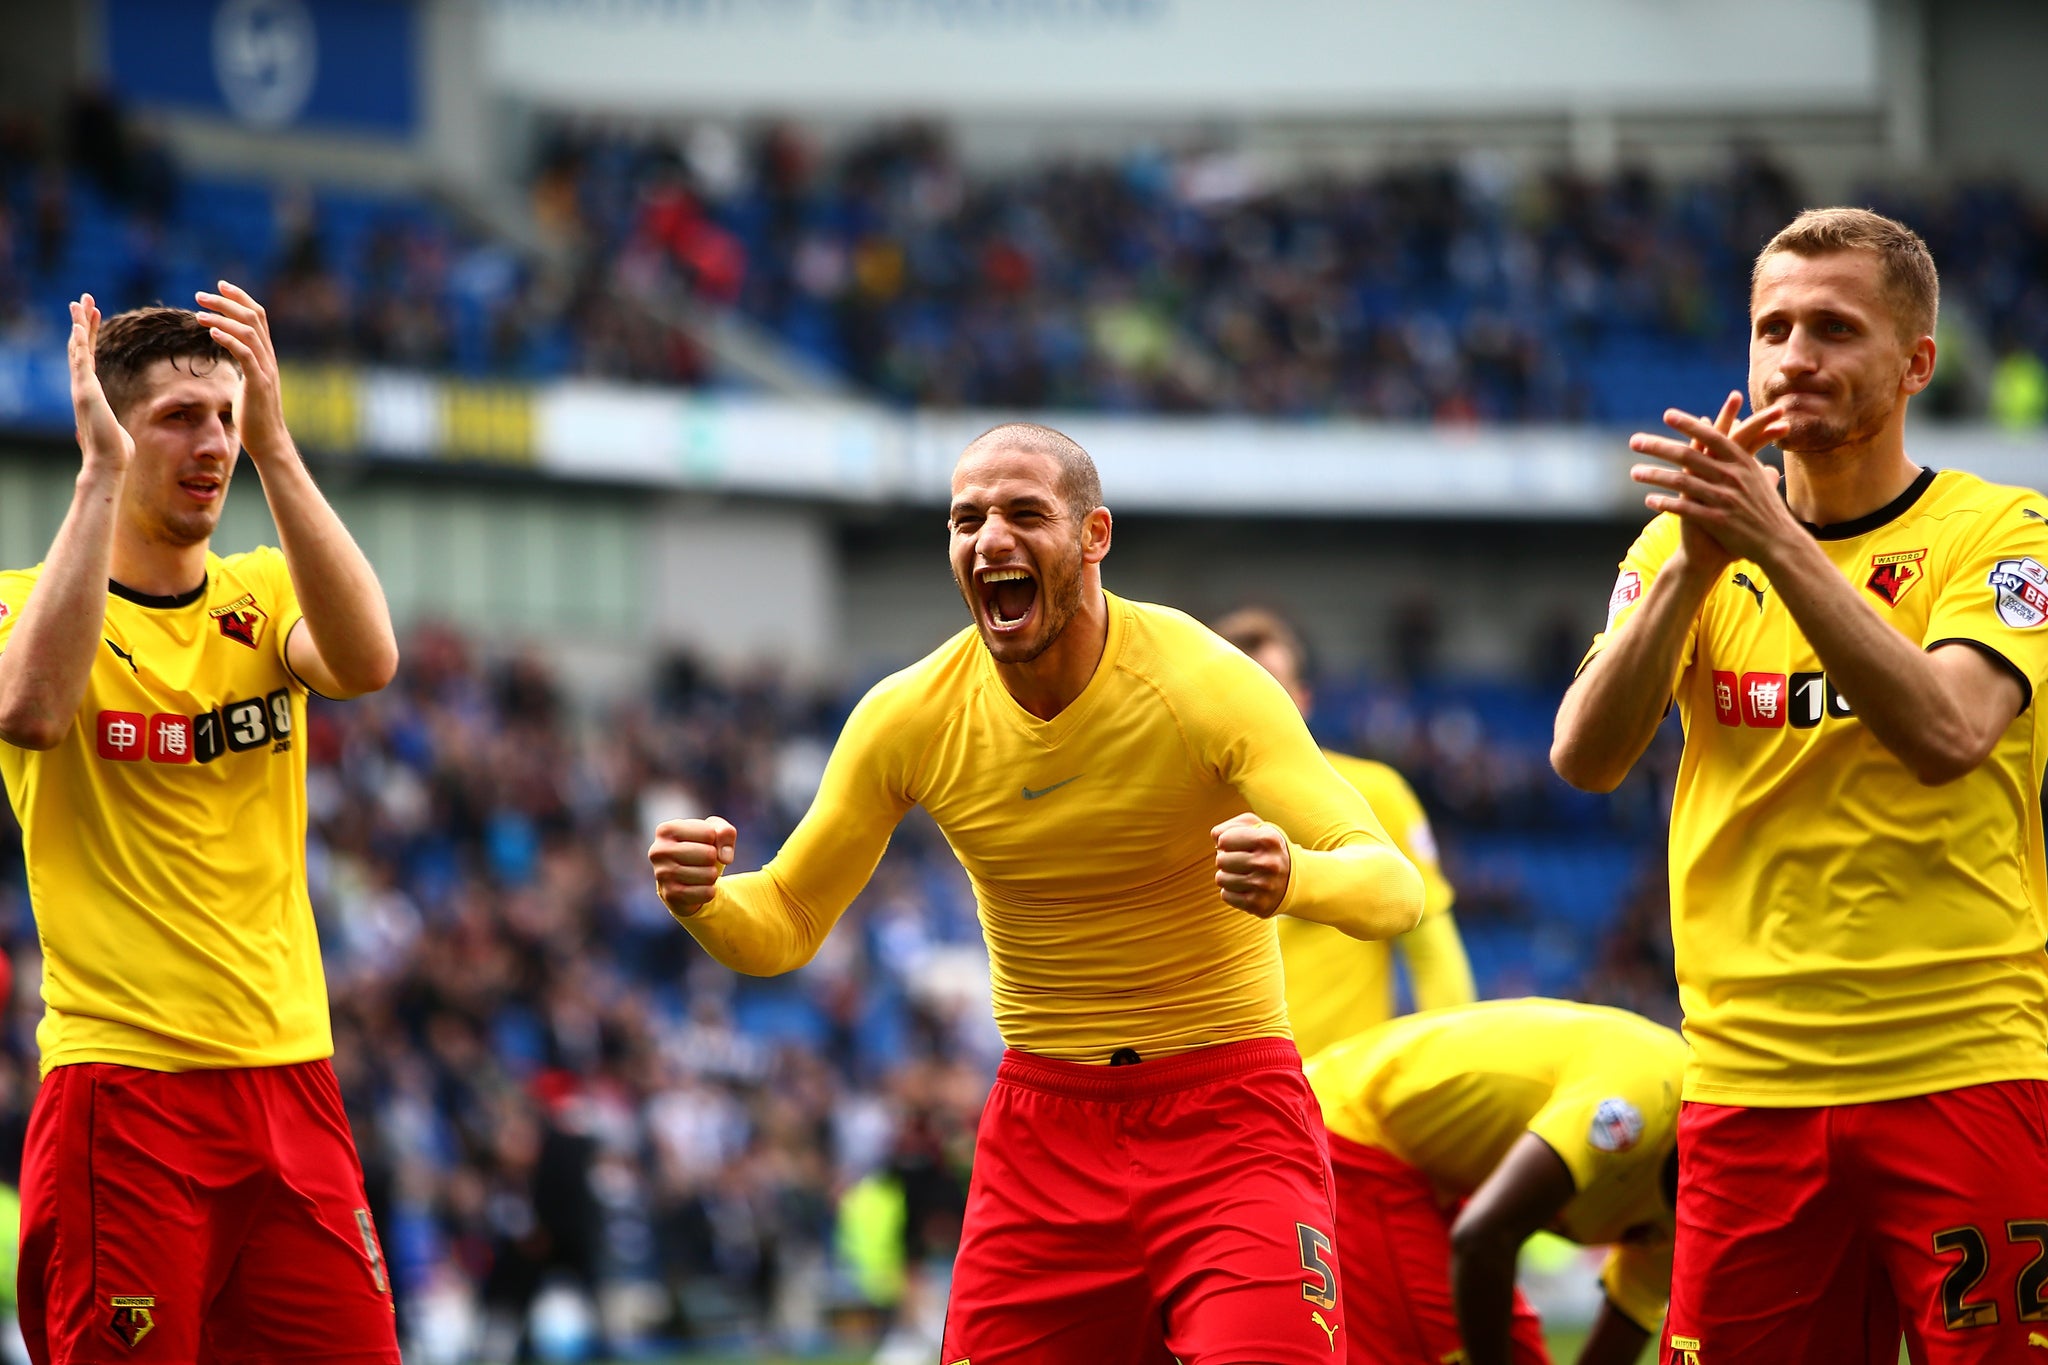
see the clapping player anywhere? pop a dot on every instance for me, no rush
(190, 1189)
(1858, 899)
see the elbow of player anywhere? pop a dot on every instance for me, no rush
(1403, 906)
(1478, 1239)
(1571, 762)
(374, 672)
(28, 728)
(1941, 766)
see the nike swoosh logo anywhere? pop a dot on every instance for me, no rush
(1030, 795)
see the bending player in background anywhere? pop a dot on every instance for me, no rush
(1458, 1134)
(1336, 984)
(1149, 1173)
(1858, 899)
(189, 1176)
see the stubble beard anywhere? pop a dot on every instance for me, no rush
(1059, 598)
(1825, 434)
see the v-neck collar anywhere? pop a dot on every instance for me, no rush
(1871, 521)
(1049, 733)
(159, 601)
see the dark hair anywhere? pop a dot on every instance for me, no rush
(129, 343)
(1252, 629)
(1080, 484)
(1911, 286)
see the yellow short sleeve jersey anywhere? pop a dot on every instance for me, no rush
(1338, 985)
(1087, 839)
(1450, 1091)
(1843, 932)
(165, 834)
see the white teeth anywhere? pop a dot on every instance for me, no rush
(1004, 575)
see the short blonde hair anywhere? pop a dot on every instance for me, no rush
(1911, 286)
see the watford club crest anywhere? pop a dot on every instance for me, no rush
(241, 620)
(1892, 576)
(134, 1317)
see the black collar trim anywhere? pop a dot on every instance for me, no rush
(1870, 521)
(143, 599)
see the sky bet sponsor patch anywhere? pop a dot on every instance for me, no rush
(2022, 588)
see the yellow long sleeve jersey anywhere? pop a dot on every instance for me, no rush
(1087, 839)
(1337, 986)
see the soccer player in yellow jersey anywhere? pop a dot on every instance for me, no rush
(1336, 984)
(189, 1189)
(1457, 1134)
(1857, 891)
(1151, 1174)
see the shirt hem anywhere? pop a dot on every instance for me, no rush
(157, 1061)
(1753, 1097)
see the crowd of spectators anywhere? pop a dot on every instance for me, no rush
(1196, 282)
(576, 1128)
(1451, 291)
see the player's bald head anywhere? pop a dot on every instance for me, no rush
(1079, 486)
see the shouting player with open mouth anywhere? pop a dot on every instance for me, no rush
(1152, 1174)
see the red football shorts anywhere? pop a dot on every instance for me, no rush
(1397, 1266)
(181, 1216)
(1821, 1234)
(1129, 1215)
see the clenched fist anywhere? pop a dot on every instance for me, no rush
(1252, 864)
(687, 856)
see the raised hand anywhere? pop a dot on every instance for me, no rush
(1252, 864)
(1728, 500)
(105, 443)
(239, 323)
(687, 856)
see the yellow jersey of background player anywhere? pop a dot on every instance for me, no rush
(1337, 985)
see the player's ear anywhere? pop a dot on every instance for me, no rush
(1919, 366)
(1095, 529)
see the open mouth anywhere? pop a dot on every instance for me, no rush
(201, 487)
(1008, 594)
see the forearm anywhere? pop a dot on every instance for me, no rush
(1612, 711)
(49, 657)
(1366, 888)
(337, 589)
(754, 925)
(1614, 1339)
(1893, 685)
(1483, 1297)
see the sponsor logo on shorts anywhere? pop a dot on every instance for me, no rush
(1892, 576)
(2021, 586)
(2036, 1339)
(1686, 1350)
(1617, 1126)
(134, 1317)
(1330, 1329)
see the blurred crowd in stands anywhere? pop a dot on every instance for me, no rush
(1189, 281)
(579, 1130)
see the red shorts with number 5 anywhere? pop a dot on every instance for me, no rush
(1823, 1234)
(175, 1216)
(1130, 1215)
